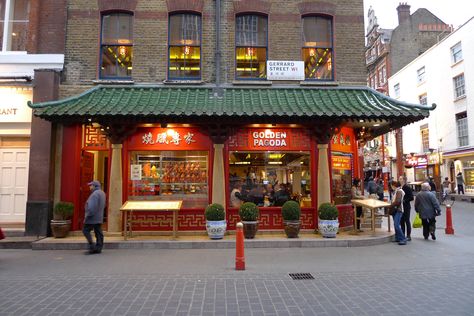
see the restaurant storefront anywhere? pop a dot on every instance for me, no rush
(187, 145)
(461, 160)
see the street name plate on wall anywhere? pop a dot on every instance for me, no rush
(285, 70)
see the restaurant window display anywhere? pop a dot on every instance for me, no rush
(269, 178)
(468, 168)
(169, 175)
(169, 164)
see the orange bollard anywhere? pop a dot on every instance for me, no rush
(239, 248)
(449, 222)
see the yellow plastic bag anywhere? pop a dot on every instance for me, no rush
(417, 221)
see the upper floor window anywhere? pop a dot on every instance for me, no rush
(461, 126)
(420, 75)
(317, 48)
(14, 18)
(251, 40)
(425, 138)
(184, 49)
(396, 89)
(456, 53)
(116, 46)
(423, 99)
(458, 82)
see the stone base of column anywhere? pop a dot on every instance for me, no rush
(38, 216)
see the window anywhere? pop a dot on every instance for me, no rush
(116, 46)
(423, 99)
(461, 127)
(425, 138)
(384, 74)
(269, 178)
(184, 46)
(456, 53)
(14, 18)
(381, 81)
(458, 82)
(317, 48)
(420, 75)
(251, 33)
(396, 89)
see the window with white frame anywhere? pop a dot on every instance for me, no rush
(396, 89)
(420, 75)
(14, 19)
(456, 53)
(423, 99)
(381, 81)
(425, 138)
(384, 74)
(458, 83)
(461, 127)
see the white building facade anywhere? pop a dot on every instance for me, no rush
(16, 89)
(443, 144)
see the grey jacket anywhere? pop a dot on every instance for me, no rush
(427, 205)
(95, 206)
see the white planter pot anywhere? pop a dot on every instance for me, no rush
(328, 228)
(216, 229)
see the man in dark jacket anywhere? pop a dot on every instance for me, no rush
(407, 198)
(371, 186)
(426, 204)
(94, 217)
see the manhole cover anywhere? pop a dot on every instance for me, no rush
(301, 276)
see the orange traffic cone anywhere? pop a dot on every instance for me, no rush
(239, 248)
(449, 221)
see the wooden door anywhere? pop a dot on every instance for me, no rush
(87, 175)
(13, 184)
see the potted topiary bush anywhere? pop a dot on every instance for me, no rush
(61, 222)
(215, 221)
(248, 213)
(328, 223)
(291, 212)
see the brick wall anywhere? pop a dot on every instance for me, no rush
(47, 27)
(151, 37)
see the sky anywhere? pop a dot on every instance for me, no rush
(455, 12)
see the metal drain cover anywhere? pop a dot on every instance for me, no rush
(301, 276)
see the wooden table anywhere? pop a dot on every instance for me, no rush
(372, 205)
(148, 206)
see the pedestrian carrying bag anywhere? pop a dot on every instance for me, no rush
(417, 221)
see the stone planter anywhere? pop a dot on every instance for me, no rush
(216, 229)
(328, 228)
(60, 228)
(292, 228)
(250, 229)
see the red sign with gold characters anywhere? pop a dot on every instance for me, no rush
(342, 141)
(341, 162)
(169, 139)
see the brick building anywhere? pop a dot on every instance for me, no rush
(29, 41)
(388, 51)
(188, 99)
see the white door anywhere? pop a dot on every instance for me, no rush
(13, 184)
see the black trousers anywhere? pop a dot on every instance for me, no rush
(99, 236)
(429, 226)
(405, 222)
(358, 214)
(460, 189)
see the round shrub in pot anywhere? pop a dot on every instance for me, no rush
(291, 212)
(248, 213)
(328, 223)
(215, 221)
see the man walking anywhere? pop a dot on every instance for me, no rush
(428, 207)
(94, 217)
(460, 181)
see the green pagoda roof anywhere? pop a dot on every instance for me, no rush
(137, 103)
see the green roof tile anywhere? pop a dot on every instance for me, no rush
(160, 102)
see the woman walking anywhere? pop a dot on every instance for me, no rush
(396, 210)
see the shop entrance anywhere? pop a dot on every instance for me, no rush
(94, 166)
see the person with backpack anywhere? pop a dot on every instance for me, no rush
(407, 198)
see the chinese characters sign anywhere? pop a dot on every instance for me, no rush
(285, 70)
(169, 139)
(342, 141)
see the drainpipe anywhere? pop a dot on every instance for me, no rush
(218, 90)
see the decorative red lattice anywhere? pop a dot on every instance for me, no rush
(94, 139)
